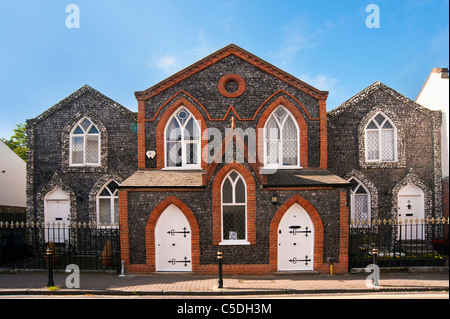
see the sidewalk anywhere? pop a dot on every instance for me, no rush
(202, 285)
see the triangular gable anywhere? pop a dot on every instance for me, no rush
(231, 49)
(370, 90)
(77, 94)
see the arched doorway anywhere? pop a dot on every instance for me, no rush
(173, 241)
(295, 240)
(411, 207)
(57, 215)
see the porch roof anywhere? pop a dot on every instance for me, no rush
(162, 179)
(305, 178)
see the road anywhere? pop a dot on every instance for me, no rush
(372, 295)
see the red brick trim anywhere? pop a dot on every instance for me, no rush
(141, 134)
(230, 108)
(218, 56)
(318, 232)
(344, 229)
(323, 134)
(217, 206)
(150, 232)
(124, 228)
(228, 78)
(233, 137)
(303, 128)
(160, 147)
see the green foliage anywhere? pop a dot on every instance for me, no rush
(18, 142)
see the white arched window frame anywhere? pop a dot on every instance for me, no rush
(108, 205)
(84, 144)
(360, 202)
(182, 141)
(281, 140)
(234, 210)
(381, 140)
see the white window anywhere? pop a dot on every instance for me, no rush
(381, 140)
(234, 209)
(360, 202)
(182, 140)
(281, 140)
(108, 205)
(85, 144)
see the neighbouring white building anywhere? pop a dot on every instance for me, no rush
(12, 179)
(435, 95)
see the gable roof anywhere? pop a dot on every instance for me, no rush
(231, 49)
(77, 94)
(370, 90)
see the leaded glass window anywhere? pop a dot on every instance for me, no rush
(381, 140)
(359, 202)
(234, 208)
(182, 141)
(85, 144)
(281, 139)
(108, 205)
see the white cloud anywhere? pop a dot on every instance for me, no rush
(296, 37)
(166, 63)
(320, 81)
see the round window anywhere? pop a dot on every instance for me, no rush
(231, 85)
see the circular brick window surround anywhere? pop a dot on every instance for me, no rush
(231, 85)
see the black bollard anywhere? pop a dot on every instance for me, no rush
(219, 259)
(375, 256)
(50, 267)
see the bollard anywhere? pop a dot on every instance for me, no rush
(50, 267)
(122, 271)
(219, 259)
(375, 256)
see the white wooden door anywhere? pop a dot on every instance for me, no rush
(57, 220)
(173, 241)
(409, 208)
(296, 241)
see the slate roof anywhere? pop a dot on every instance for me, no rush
(305, 178)
(162, 179)
(194, 179)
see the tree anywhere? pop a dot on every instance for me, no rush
(18, 142)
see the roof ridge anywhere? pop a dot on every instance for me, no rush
(221, 54)
(78, 93)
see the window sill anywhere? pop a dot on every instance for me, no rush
(196, 168)
(234, 243)
(273, 169)
(85, 165)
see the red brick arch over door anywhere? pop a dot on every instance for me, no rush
(150, 232)
(318, 231)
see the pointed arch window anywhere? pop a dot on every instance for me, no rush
(85, 144)
(182, 140)
(234, 209)
(108, 205)
(281, 140)
(381, 140)
(360, 201)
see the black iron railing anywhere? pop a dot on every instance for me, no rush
(87, 245)
(405, 243)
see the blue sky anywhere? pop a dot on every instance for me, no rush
(127, 46)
